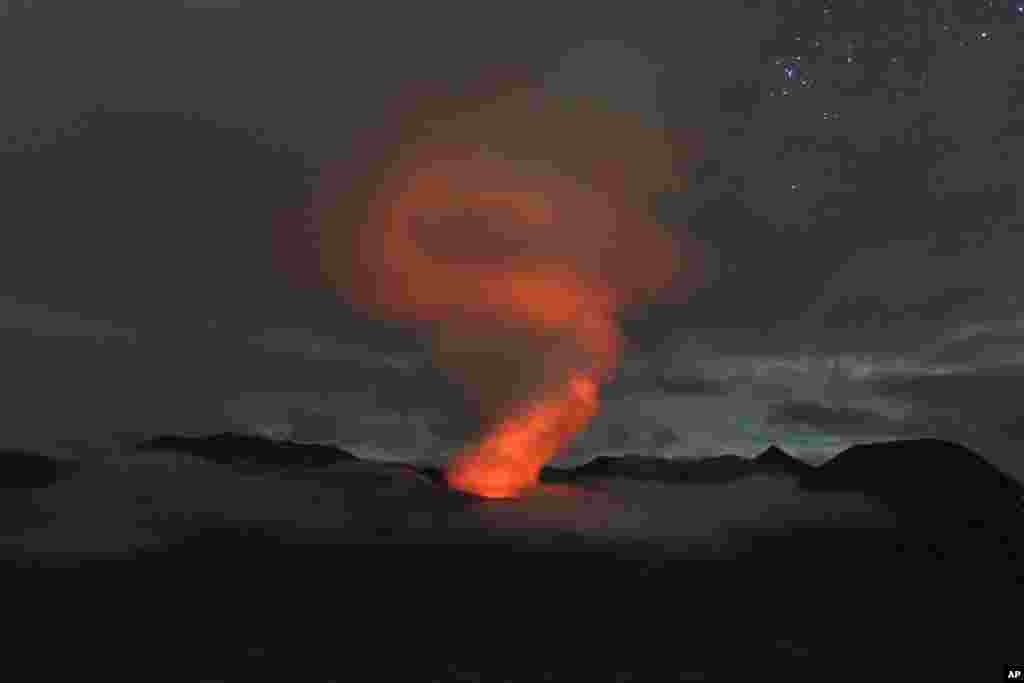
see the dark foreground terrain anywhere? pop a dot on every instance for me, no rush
(898, 561)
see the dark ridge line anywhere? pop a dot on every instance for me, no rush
(883, 469)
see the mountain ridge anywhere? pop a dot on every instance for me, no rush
(249, 451)
(882, 469)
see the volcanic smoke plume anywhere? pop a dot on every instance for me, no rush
(514, 227)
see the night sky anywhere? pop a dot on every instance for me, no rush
(855, 187)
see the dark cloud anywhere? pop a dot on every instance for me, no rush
(673, 385)
(978, 407)
(842, 421)
(659, 438)
(44, 321)
(991, 390)
(691, 386)
(947, 302)
(980, 348)
(880, 311)
(771, 392)
(177, 209)
(1013, 430)
(307, 426)
(623, 432)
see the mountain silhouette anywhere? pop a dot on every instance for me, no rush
(27, 470)
(926, 568)
(915, 471)
(718, 469)
(905, 474)
(250, 452)
(634, 467)
(776, 459)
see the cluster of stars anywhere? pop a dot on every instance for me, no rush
(979, 36)
(793, 76)
(808, 55)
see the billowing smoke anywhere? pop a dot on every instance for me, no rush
(513, 227)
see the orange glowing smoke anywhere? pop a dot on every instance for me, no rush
(510, 457)
(515, 227)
